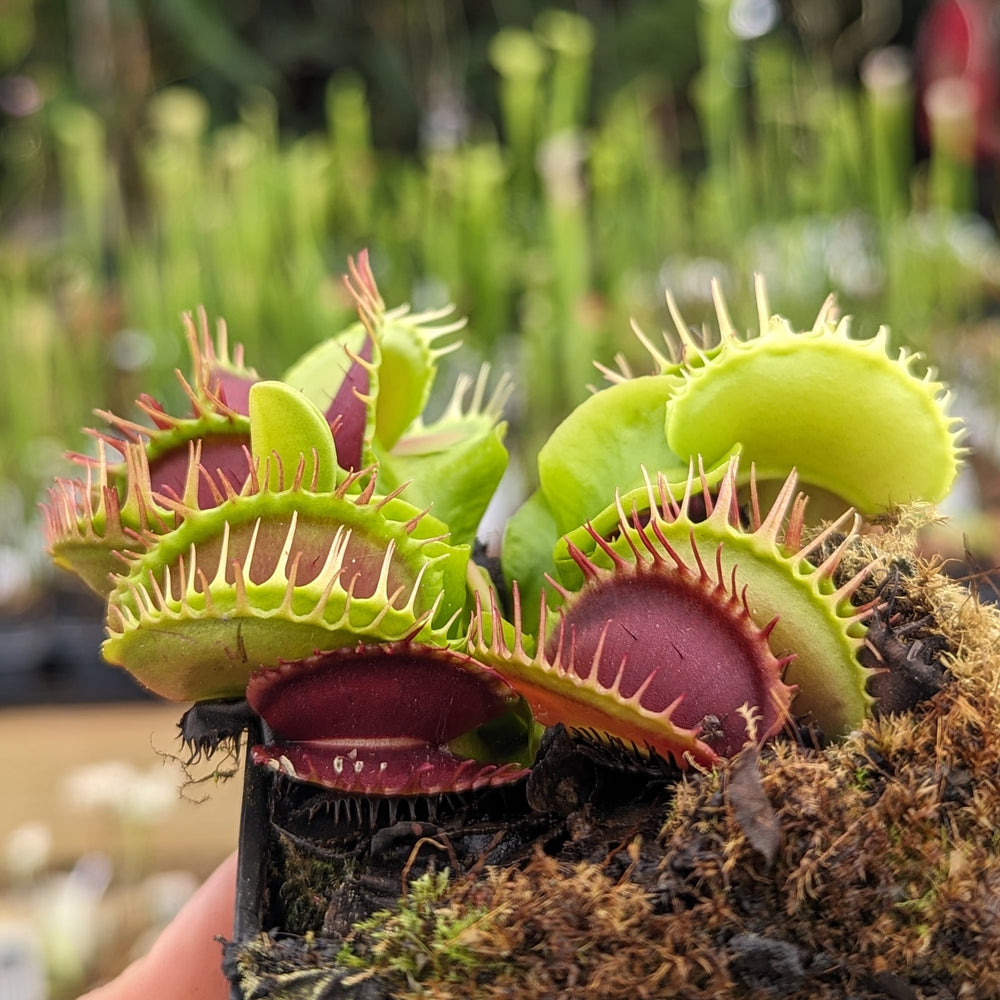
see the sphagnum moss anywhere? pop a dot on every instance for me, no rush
(883, 882)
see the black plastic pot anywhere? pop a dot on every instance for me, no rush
(367, 851)
(254, 849)
(276, 812)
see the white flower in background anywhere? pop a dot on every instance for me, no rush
(66, 915)
(132, 795)
(99, 786)
(26, 852)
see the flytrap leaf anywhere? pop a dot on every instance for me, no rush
(806, 613)
(286, 429)
(373, 382)
(268, 575)
(850, 417)
(369, 720)
(114, 506)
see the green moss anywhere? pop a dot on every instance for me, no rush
(424, 938)
(305, 882)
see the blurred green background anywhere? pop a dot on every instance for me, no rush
(548, 168)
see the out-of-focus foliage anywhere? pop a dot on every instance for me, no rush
(549, 170)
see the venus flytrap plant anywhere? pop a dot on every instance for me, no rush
(254, 550)
(785, 592)
(321, 594)
(359, 720)
(630, 630)
(372, 382)
(274, 574)
(377, 377)
(319, 584)
(218, 423)
(671, 616)
(604, 671)
(115, 506)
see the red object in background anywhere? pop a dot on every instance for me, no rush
(960, 40)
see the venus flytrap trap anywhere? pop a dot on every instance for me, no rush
(781, 399)
(325, 710)
(601, 669)
(276, 574)
(789, 583)
(789, 400)
(676, 617)
(453, 462)
(92, 521)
